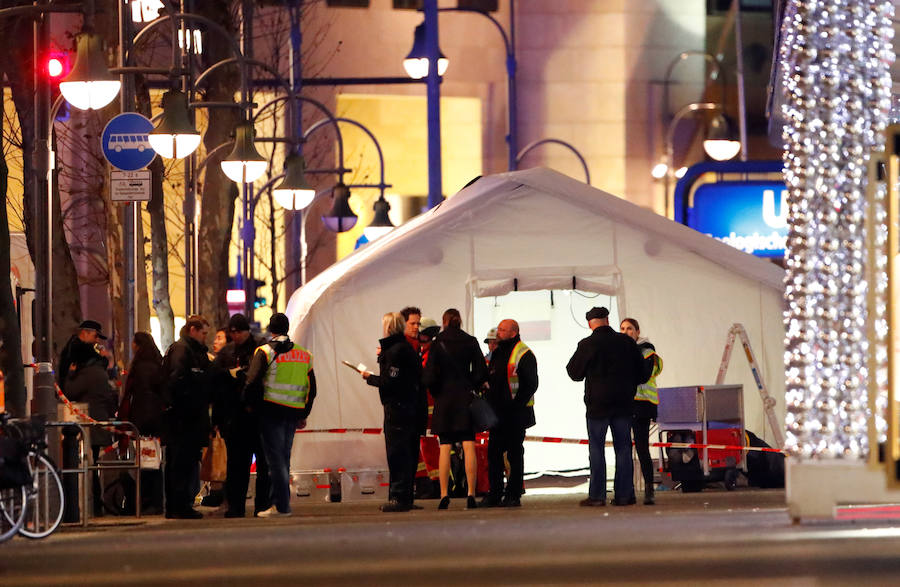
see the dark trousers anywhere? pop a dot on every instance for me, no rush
(640, 428)
(621, 436)
(182, 462)
(277, 429)
(509, 440)
(242, 442)
(401, 443)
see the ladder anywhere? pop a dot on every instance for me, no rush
(767, 400)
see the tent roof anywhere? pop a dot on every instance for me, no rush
(455, 212)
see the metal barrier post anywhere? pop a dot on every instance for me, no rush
(70, 458)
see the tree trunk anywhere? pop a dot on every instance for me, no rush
(159, 240)
(10, 337)
(19, 70)
(218, 193)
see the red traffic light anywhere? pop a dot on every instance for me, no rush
(57, 65)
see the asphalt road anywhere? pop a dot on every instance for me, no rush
(743, 537)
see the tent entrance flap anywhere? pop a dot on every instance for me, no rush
(498, 282)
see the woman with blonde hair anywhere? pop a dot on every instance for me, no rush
(399, 372)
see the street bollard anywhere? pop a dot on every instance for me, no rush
(71, 460)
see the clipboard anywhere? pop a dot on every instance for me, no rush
(360, 368)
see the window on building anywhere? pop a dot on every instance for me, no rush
(348, 3)
(720, 6)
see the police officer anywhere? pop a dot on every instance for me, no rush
(280, 390)
(512, 382)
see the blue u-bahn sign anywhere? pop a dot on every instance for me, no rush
(750, 215)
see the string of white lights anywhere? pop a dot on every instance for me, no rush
(835, 58)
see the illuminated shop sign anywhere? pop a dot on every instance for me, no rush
(748, 215)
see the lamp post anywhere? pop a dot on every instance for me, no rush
(425, 47)
(687, 110)
(179, 21)
(532, 146)
(718, 143)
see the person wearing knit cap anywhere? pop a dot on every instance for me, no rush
(611, 366)
(280, 390)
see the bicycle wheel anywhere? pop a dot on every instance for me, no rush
(12, 504)
(45, 499)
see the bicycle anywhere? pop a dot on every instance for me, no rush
(14, 480)
(40, 512)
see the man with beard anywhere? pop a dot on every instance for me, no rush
(512, 382)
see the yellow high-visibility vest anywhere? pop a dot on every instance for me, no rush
(287, 381)
(512, 370)
(646, 392)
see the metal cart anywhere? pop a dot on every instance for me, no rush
(702, 414)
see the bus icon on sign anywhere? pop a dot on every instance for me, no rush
(119, 142)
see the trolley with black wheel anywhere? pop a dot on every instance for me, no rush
(702, 415)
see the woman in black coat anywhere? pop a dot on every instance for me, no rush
(142, 402)
(455, 368)
(405, 409)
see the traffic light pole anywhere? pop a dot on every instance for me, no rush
(44, 400)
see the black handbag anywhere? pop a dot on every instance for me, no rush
(483, 416)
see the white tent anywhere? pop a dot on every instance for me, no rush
(564, 247)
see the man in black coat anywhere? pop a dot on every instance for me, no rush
(611, 366)
(238, 426)
(187, 418)
(512, 382)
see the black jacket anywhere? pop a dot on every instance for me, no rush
(142, 401)
(400, 372)
(225, 389)
(186, 392)
(612, 367)
(89, 382)
(252, 395)
(514, 413)
(455, 367)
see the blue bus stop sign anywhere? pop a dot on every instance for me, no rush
(124, 142)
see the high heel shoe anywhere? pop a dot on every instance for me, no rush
(445, 503)
(470, 503)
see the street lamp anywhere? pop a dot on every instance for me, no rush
(340, 218)
(720, 143)
(381, 224)
(90, 85)
(244, 164)
(416, 63)
(713, 145)
(174, 137)
(294, 193)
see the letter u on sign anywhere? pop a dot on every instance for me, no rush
(768, 209)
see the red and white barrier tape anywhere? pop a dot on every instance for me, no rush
(559, 440)
(84, 417)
